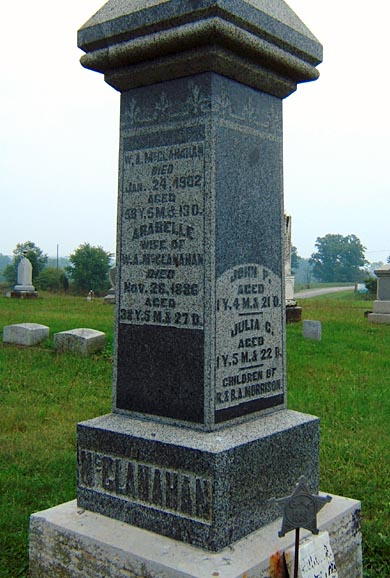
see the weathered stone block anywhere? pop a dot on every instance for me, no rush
(205, 489)
(68, 542)
(81, 341)
(379, 318)
(25, 333)
(381, 306)
(293, 314)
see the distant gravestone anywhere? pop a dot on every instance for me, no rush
(312, 329)
(110, 297)
(25, 333)
(24, 287)
(289, 278)
(293, 313)
(381, 313)
(81, 341)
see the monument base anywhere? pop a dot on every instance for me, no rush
(110, 298)
(381, 312)
(379, 318)
(209, 489)
(293, 314)
(24, 294)
(68, 542)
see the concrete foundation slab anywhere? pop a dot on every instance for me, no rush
(69, 542)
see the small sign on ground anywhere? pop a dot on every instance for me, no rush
(316, 558)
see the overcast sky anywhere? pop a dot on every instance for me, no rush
(59, 130)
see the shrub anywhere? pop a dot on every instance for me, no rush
(52, 279)
(371, 284)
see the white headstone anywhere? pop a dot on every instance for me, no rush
(288, 278)
(24, 276)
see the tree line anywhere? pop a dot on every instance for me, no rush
(337, 259)
(87, 269)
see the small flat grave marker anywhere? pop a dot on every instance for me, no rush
(312, 329)
(81, 341)
(25, 333)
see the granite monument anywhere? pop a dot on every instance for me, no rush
(200, 437)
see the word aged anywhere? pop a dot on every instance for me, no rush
(249, 348)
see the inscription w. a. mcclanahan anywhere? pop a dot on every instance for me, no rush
(162, 236)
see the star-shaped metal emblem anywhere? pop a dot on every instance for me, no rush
(301, 508)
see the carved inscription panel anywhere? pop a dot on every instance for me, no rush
(249, 356)
(162, 236)
(146, 484)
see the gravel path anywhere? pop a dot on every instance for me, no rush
(324, 291)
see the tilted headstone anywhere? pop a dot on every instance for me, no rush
(381, 313)
(199, 438)
(25, 333)
(82, 341)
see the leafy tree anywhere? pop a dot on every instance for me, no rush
(33, 253)
(338, 258)
(52, 279)
(4, 262)
(89, 268)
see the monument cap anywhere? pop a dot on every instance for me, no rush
(260, 43)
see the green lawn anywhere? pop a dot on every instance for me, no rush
(344, 379)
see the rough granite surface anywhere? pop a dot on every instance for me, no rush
(207, 489)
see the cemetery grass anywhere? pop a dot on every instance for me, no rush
(344, 379)
(42, 397)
